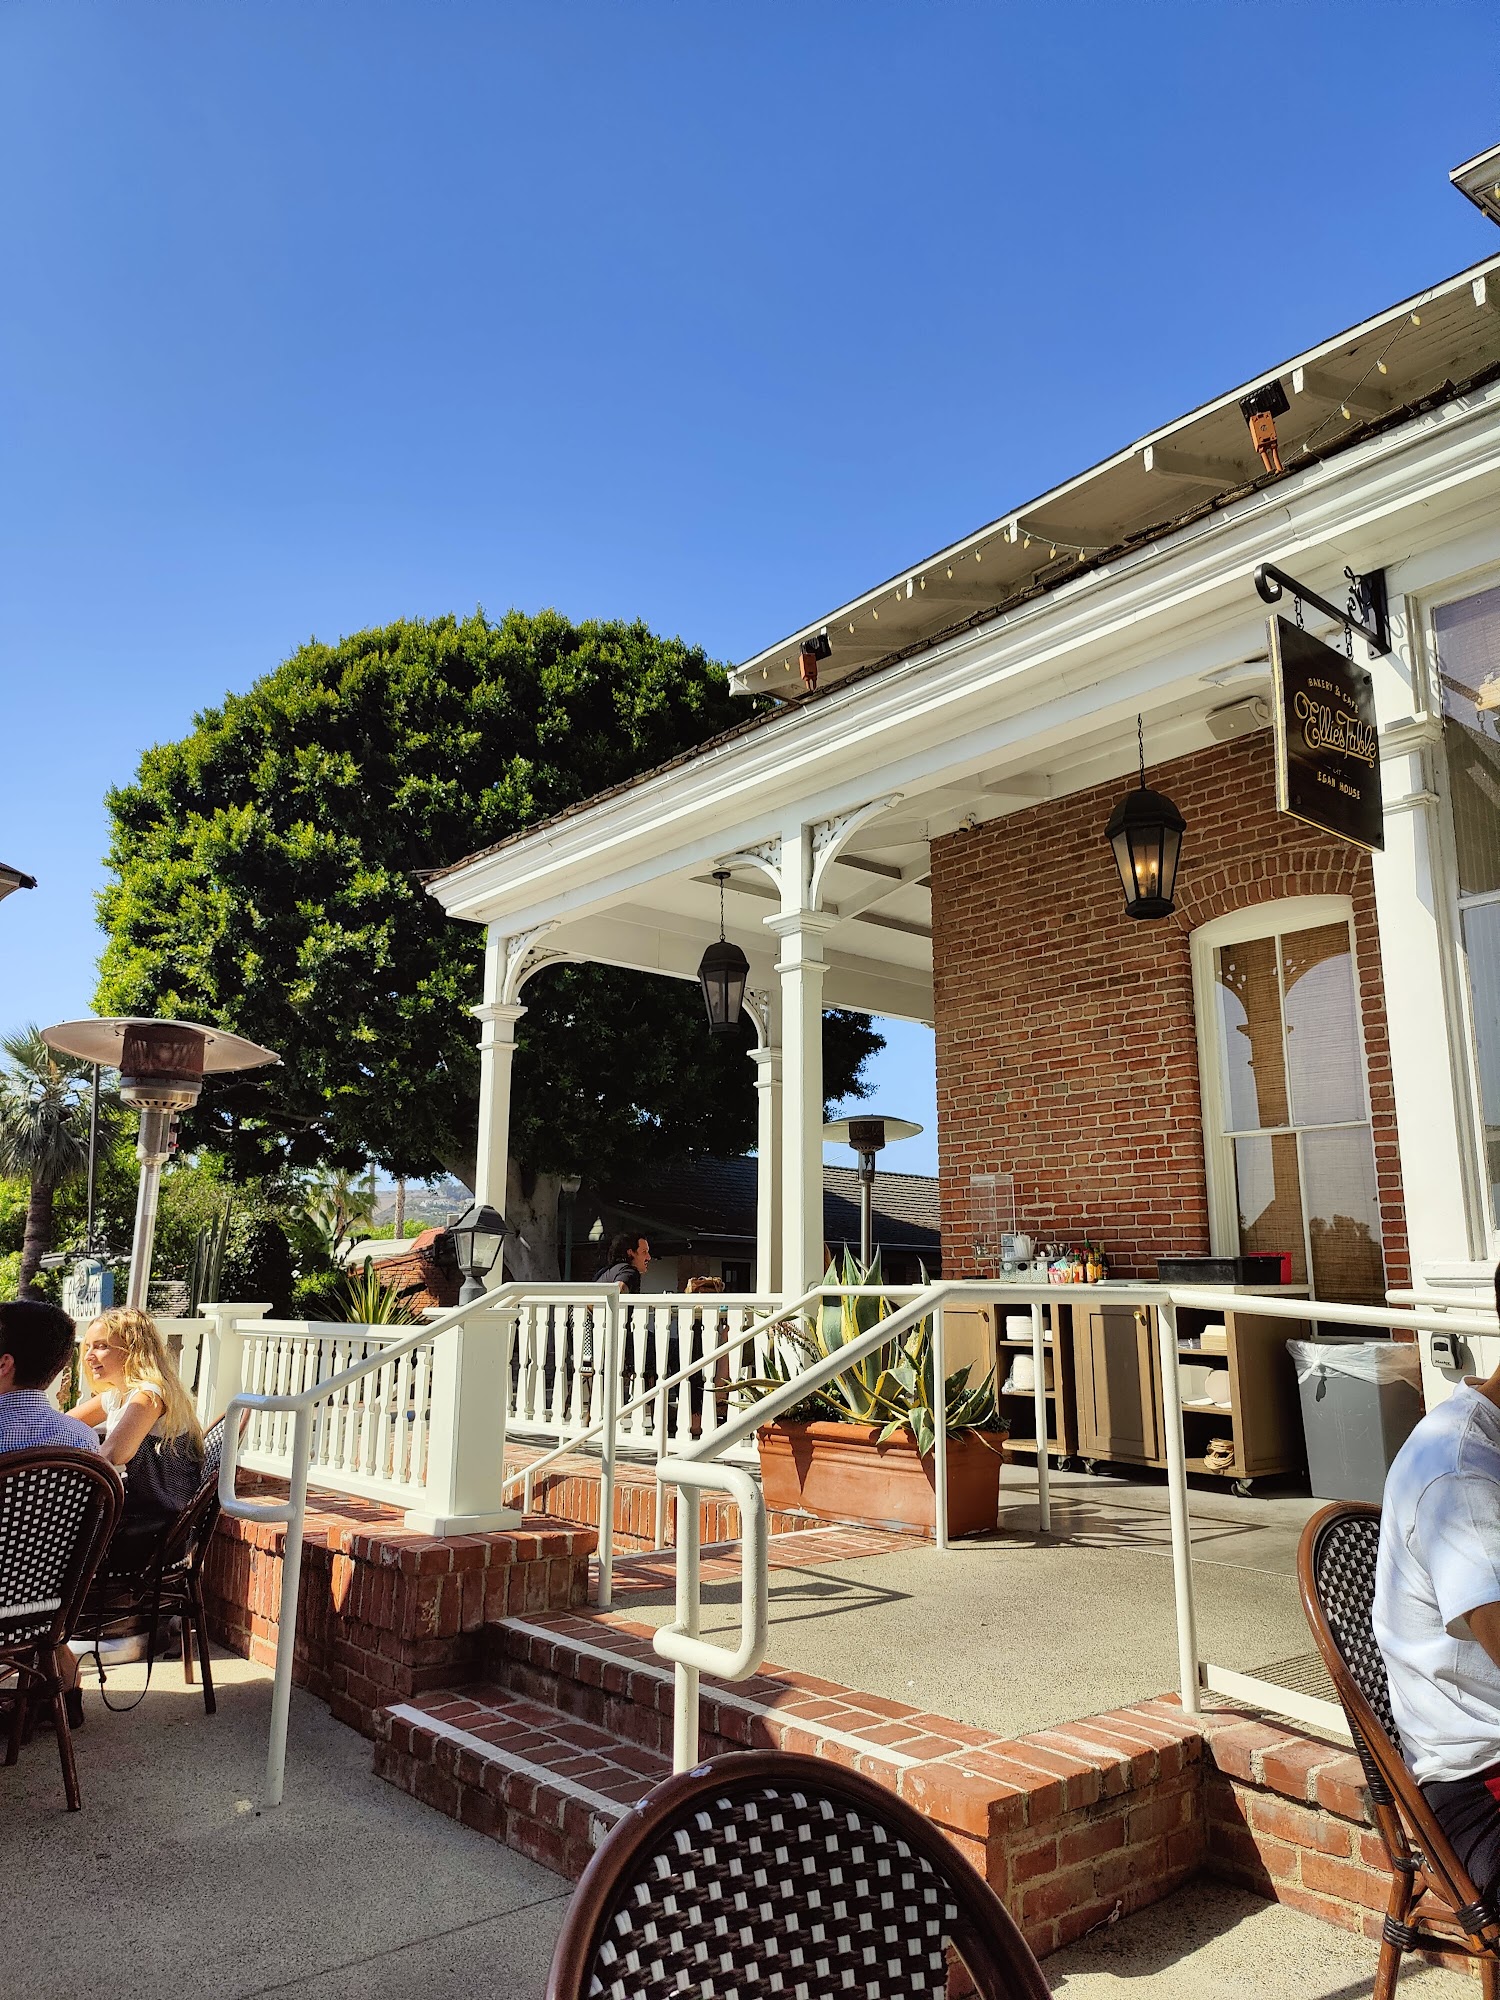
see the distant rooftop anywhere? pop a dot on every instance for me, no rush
(715, 1200)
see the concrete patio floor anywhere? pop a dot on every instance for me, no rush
(169, 1881)
(1017, 1631)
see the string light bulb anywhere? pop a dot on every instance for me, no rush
(1382, 367)
(1416, 319)
(950, 572)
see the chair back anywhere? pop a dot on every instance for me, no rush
(185, 1539)
(58, 1509)
(1336, 1571)
(767, 1872)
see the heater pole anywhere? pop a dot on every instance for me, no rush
(151, 1149)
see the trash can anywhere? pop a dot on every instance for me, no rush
(1361, 1400)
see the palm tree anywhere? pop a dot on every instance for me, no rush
(44, 1133)
(338, 1205)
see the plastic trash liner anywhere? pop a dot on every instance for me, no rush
(1361, 1400)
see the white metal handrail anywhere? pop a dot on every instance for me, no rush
(680, 1642)
(606, 1427)
(292, 1511)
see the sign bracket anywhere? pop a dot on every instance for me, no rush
(1367, 593)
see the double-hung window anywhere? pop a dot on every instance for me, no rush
(1291, 1157)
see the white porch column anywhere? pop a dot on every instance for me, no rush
(801, 968)
(498, 1015)
(767, 1062)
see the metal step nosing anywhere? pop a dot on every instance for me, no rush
(493, 1754)
(724, 1696)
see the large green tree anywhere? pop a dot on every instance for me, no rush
(266, 878)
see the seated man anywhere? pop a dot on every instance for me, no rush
(1437, 1615)
(36, 1341)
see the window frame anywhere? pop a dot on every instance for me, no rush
(1259, 920)
(1484, 1224)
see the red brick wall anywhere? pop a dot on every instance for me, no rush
(1066, 1049)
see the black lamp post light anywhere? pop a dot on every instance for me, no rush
(478, 1239)
(1145, 830)
(722, 973)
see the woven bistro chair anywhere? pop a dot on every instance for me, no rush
(763, 1872)
(58, 1508)
(169, 1580)
(1433, 1904)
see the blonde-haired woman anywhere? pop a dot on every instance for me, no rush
(151, 1430)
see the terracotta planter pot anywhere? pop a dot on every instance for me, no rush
(841, 1472)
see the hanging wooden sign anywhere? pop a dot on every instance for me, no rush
(1327, 755)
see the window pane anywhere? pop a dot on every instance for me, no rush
(1468, 646)
(1270, 1200)
(1250, 1035)
(1482, 946)
(1322, 1034)
(1343, 1217)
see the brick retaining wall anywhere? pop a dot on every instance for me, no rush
(568, 1491)
(384, 1613)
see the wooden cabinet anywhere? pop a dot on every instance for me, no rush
(1117, 1373)
(1118, 1396)
(976, 1335)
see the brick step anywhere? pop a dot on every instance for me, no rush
(603, 1670)
(572, 1724)
(537, 1778)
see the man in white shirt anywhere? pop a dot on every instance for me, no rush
(1437, 1615)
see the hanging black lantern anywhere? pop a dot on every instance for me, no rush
(1145, 830)
(722, 973)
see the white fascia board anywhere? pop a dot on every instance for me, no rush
(1054, 501)
(1130, 631)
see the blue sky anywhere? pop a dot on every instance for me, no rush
(317, 315)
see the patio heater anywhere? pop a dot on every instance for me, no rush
(868, 1136)
(12, 879)
(162, 1065)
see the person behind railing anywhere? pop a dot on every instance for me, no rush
(1437, 1615)
(151, 1430)
(36, 1344)
(627, 1261)
(703, 1338)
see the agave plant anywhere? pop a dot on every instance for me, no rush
(364, 1299)
(892, 1386)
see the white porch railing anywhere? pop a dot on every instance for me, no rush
(700, 1468)
(561, 1359)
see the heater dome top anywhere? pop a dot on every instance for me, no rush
(103, 1041)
